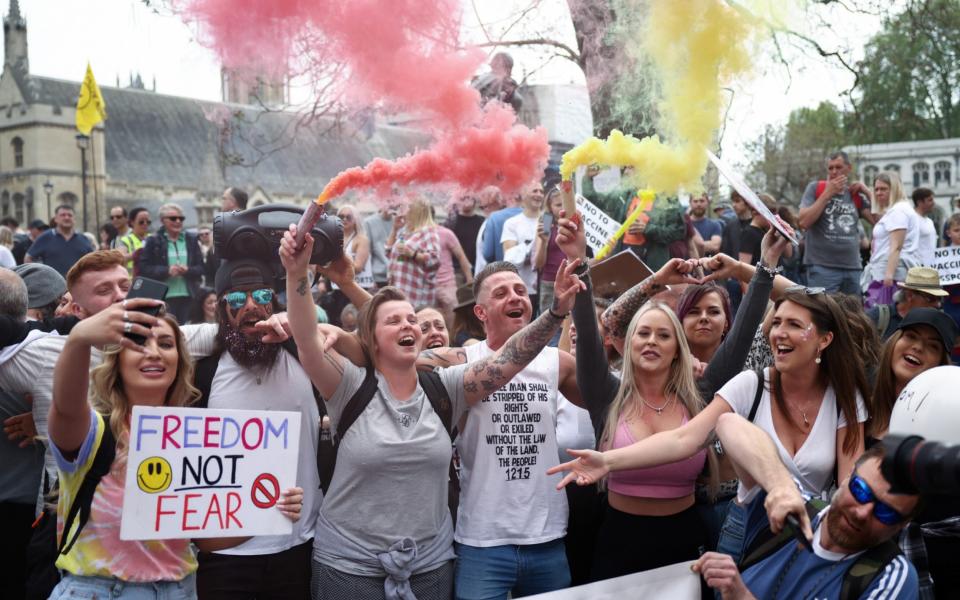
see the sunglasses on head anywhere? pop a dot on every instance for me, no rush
(862, 493)
(802, 289)
(236, 300)
(180, 219)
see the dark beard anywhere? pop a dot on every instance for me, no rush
(248, 352)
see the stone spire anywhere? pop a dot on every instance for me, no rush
(15, 39)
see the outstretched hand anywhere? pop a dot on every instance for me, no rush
(291, 503)
(589, 467)
(295, 260)
(774, 244)
(567, 286)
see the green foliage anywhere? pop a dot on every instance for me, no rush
(909, 87)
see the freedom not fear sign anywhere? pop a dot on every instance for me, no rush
(195, 472)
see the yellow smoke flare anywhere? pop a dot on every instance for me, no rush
(695, 46)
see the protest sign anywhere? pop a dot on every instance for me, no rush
(676, 582)
(947, 263)
(597, 226)
(749, 195)
(194, 473)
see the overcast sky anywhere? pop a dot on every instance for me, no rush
(120, 37)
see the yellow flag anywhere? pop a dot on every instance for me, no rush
(91, 109)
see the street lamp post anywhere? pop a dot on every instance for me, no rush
(83, 142)
(48, 188)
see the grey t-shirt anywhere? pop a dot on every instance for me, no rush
(834, 240)
(378, 230)
(392, 471)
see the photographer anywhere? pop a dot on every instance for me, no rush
(854, 552)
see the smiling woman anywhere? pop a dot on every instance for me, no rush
(159, 373)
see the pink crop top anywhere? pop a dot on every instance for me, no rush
(674, 480)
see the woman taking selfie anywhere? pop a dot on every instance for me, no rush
(96, 561)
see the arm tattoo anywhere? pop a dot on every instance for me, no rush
(442, 359)
(520, 349)
(334, 363)
(617, 317)
(302, 287)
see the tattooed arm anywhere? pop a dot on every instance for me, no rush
(441, 357)
(487, 375)
(617, 317)
(325, 367)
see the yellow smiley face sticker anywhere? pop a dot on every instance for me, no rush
(154, 475)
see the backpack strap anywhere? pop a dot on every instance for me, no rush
(866, 568)
(439, 398)
(766, 542)
(883, 319)
(327, 450)
(79, 510)
(757, 395)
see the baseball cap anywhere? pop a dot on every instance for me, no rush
(44, 284)
(931, 317)
(243, 272)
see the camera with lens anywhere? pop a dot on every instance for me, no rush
(257, 232)
(921, 453)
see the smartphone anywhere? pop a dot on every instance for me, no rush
(146, 288)
(547, 220)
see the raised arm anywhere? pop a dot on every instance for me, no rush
(342, 272)
(675, 272)
(487, 375)
(69, 418)
(325, 367)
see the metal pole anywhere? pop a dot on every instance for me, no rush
(96, 196)
(48, 205)
(83, 178)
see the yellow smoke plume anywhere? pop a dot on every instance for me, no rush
(695, 47)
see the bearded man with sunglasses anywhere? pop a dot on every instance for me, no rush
(246, 373)
(173, 255)
(848, 548)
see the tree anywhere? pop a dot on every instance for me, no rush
(787, 157)
(909, 79)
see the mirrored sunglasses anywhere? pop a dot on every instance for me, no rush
(236, 300)
(862, 493)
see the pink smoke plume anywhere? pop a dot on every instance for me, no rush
(402, 52)
(495, 151)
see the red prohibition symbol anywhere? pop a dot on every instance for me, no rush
(265, 491)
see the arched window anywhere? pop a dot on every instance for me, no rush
(17, 144)
(869, 174)
(892, 167)
(18, 207)
(921, 174)
(941, 173)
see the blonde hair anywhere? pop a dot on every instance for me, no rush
(419, 215)
(107, 394)
(6, 238)
(680, 383)
(892, 179)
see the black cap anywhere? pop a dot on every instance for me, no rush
(937, 319)
(38, 224)
(243, 272)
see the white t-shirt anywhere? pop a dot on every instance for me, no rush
(900, 216)
(481, 262)
(574, 428)
(285, 386)
(6, 258)
(928, 240)
(365, 277)
(507, 444)
(813, 464)
(521, 229)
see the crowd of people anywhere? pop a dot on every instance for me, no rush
(502, 430)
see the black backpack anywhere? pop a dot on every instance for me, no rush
(43, 548)
(858, 576)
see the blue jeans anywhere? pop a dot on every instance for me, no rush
(490, 573)
(733, 531)
(89, 588)
(834, 280)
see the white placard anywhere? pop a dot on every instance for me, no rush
(947, 263)
(673, 582)
(748, 195)
(195, 472)
(598, 227)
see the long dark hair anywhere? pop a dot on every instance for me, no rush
(840, 361)
(885, 391)
(693, 293)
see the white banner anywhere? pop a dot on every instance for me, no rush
(675, 582)
(597, 226)
(194, 472)
(947, 263)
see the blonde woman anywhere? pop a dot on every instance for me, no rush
(414, 252)
(896, 241)
(7, 260)
(657, 393)
(96, 562)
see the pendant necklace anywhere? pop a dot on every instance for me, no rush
(658, 409)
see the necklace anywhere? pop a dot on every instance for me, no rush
(658, 409)
(803, 413)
